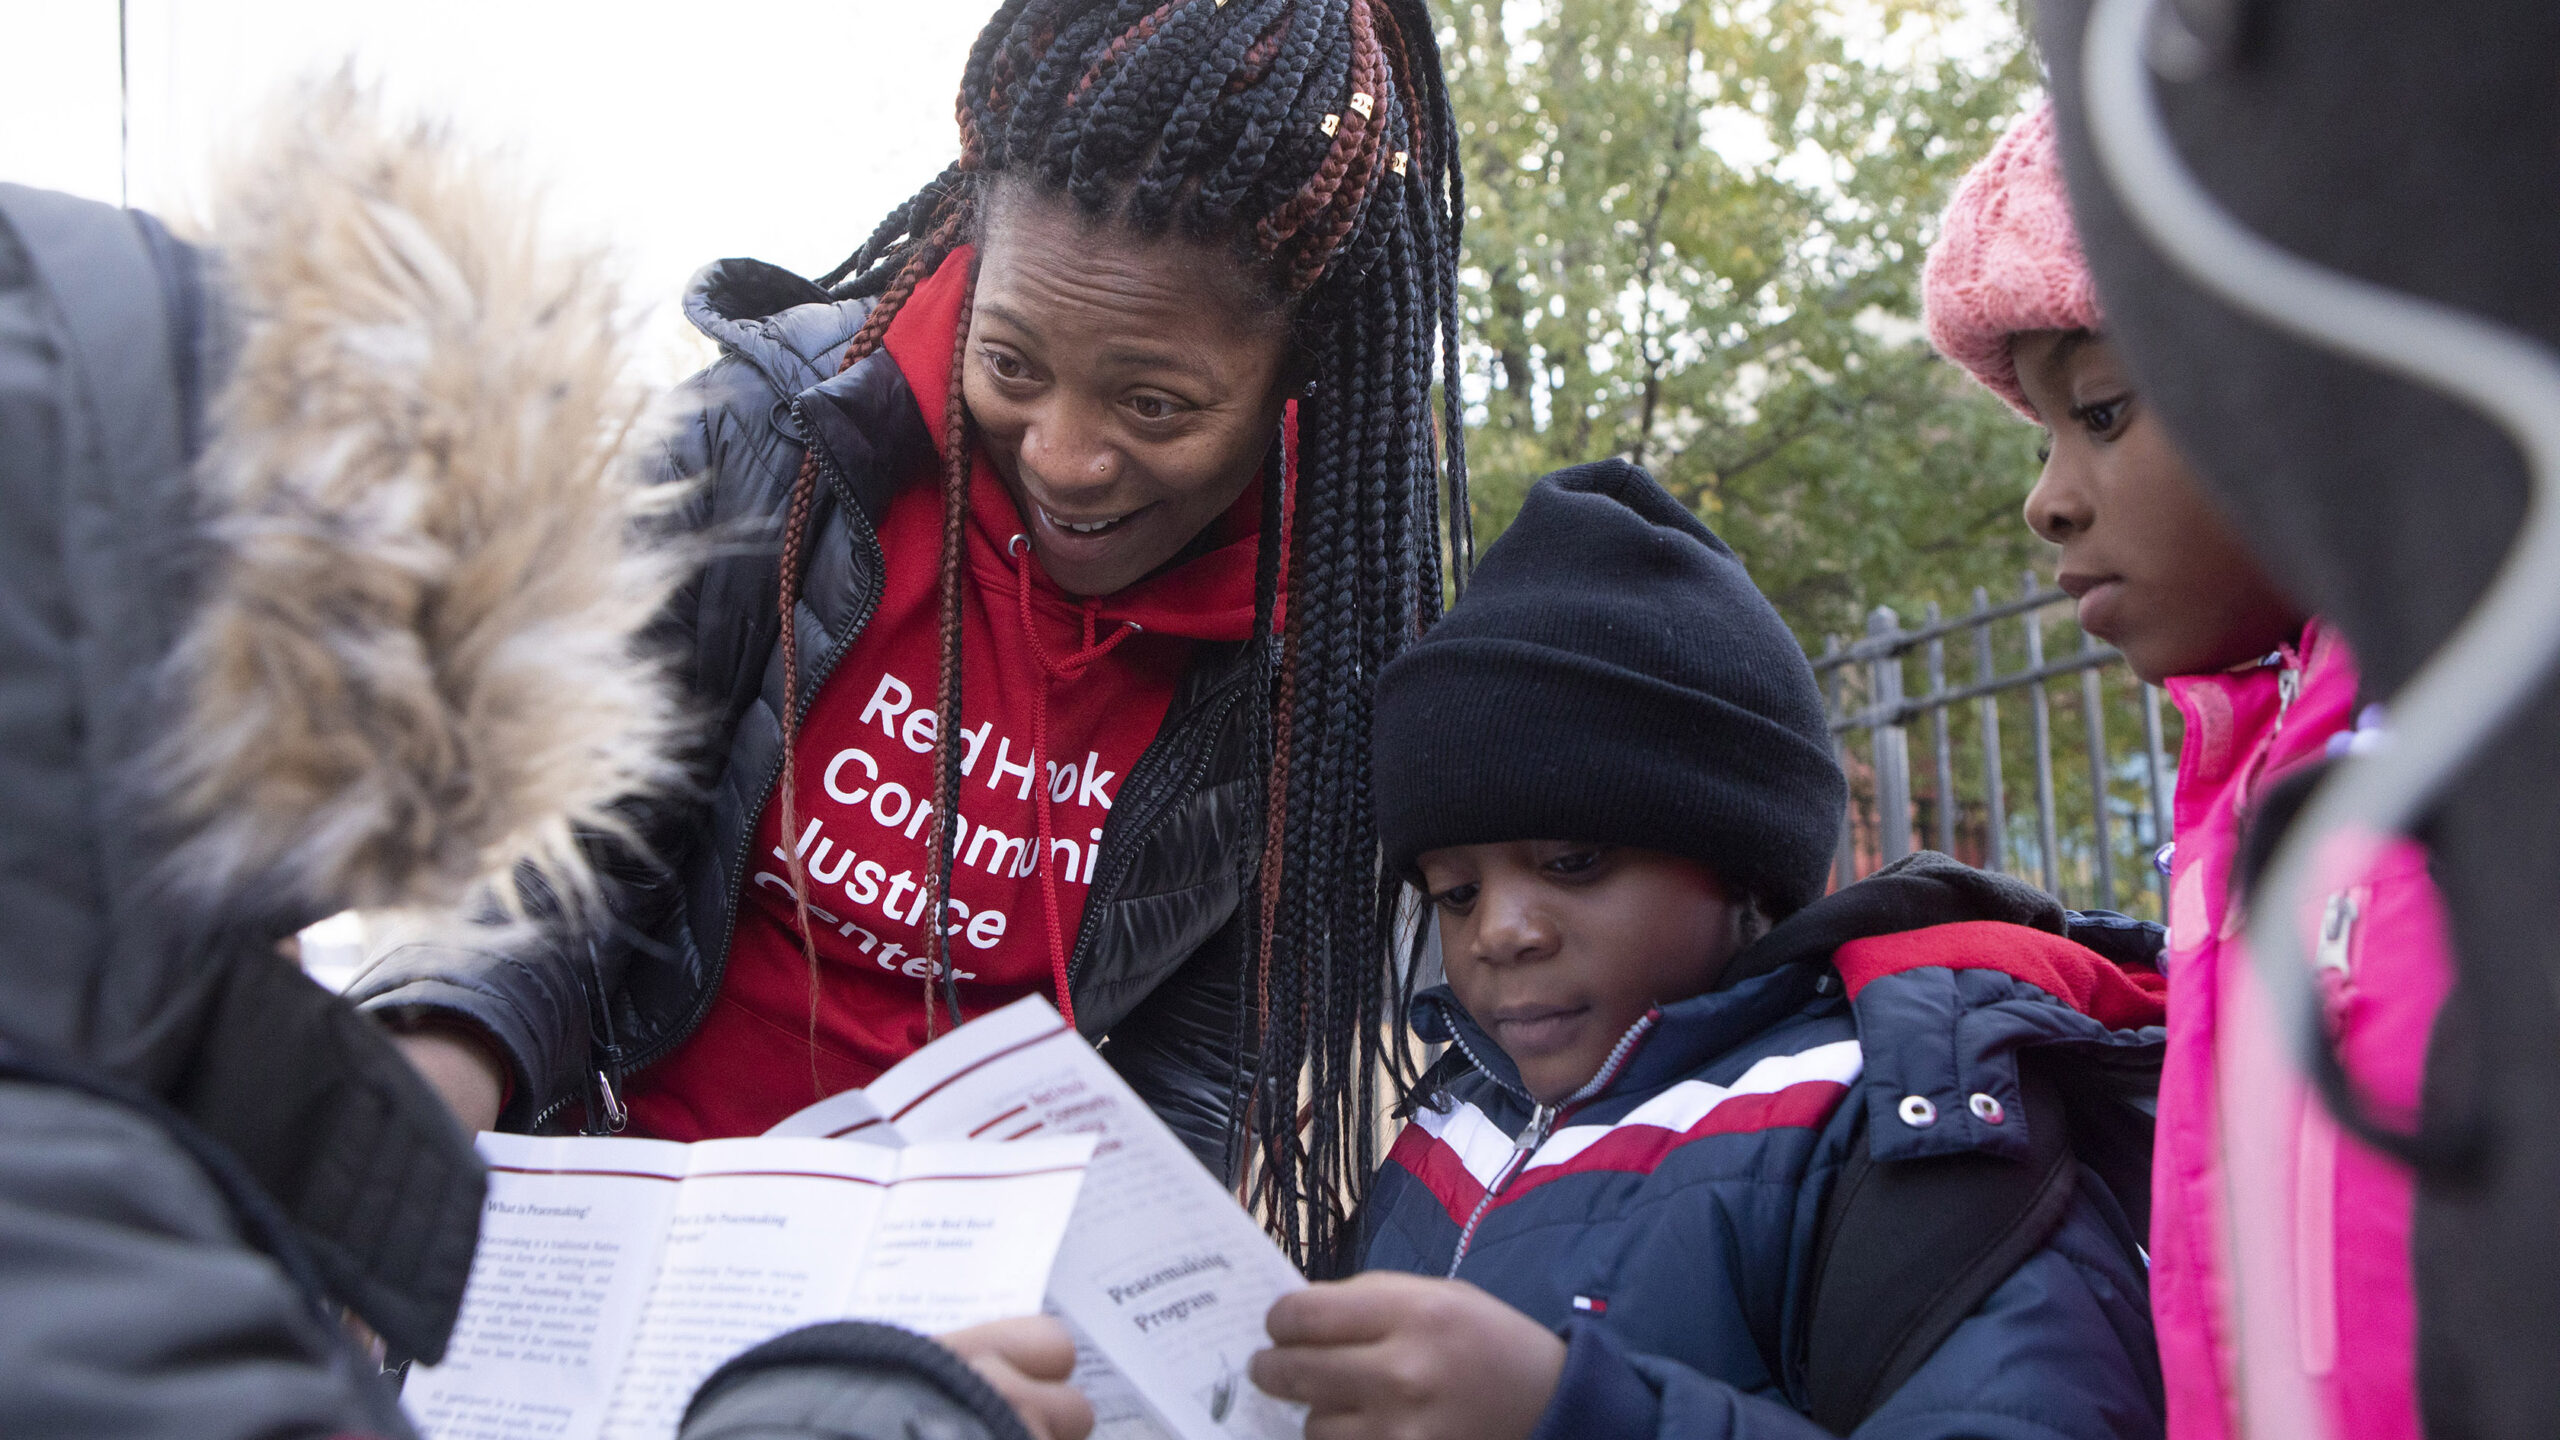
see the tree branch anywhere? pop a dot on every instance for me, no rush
(1683, 123)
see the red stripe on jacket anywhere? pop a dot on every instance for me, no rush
(1638, 1149)
(2065, 969)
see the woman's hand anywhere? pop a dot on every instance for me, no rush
(1393, 1355)
(463, 1073)
(1028, 1360)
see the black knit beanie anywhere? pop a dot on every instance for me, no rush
(1612, 675)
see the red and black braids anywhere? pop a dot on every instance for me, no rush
(956, 464)
(918, 263)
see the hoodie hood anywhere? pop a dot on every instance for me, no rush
(1920, 889)
(326, 578)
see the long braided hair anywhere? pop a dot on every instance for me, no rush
(1315, 139)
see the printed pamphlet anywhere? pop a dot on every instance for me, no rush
(1002, 1170)
(614, 1275)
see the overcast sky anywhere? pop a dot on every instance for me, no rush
(675, 132)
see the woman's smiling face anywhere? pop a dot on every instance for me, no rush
(1126, 387)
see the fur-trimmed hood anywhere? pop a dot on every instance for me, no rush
(415, 662)
(379, 605)
(324, 572)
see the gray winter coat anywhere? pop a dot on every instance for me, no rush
(142, 1298)
(222, 712)
(1157, 972)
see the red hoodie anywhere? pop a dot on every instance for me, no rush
(1060, 696)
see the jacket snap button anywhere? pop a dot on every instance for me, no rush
(1918, 1113)
(1986, 1109)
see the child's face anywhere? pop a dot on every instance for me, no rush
(2157, 571)
(1555, 947)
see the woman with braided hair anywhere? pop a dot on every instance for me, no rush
(1095, 489)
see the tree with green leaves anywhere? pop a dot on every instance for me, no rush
(1695, 240)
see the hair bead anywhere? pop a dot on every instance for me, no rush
(1361, 102)
(1330, 124)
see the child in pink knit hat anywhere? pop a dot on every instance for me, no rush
(2158, 572)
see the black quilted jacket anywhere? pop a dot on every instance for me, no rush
(1157, 969)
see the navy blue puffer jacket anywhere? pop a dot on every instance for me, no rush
(1665, 1220)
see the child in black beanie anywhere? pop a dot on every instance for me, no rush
(1609, 770)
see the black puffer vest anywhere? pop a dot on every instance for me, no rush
(1157, 972)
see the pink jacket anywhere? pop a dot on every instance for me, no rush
(2326, 1220)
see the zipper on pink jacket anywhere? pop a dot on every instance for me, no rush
(2288, 690)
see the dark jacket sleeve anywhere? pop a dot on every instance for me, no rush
(536, 996)
(850, 1380)
(1183, 1050)
(2061, 1351)
(135, 1309)
(1186, 1042)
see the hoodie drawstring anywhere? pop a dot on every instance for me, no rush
(1043, 781)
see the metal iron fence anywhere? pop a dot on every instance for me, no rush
(2076, 841)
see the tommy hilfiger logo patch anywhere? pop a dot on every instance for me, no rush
(1591, 1304)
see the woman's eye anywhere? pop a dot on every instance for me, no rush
(1456, 898)
(1152, 407)
(2044, 449)
(1004, 366)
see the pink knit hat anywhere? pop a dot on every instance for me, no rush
(2007, 259)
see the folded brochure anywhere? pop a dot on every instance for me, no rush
(1003, 1169)
(1164, 1277)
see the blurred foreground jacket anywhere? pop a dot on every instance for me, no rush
(323, 582)
(2409, 146)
